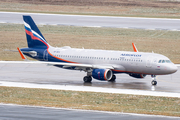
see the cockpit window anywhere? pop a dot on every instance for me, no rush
(168, 61)
(164, 61)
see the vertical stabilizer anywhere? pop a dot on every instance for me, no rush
(34, 37)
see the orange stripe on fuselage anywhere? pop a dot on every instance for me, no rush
(60, 58)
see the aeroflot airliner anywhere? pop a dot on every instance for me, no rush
(99, 64)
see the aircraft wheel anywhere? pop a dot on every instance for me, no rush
(113, 79)
(87, 79)
(154, 82)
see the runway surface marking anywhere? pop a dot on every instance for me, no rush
(107, 112)
(90, 89)
(87, 15)
(95, 21)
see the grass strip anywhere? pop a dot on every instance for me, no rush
(159, 41)
(91, 101)
(92, 14)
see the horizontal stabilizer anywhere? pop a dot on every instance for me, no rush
(22, 55)
(80, 65)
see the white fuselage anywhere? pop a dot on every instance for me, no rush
(121, 61)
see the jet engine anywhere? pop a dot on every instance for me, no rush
(137, 75)
(102, 74)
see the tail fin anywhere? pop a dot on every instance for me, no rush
(34, 37)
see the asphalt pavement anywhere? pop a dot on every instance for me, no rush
(94, 21)
(20, 112)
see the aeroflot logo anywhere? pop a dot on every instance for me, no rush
(32, 33)
(131, 55)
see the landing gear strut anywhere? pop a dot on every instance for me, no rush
(154, 82)
(87, 79)
(113, 79)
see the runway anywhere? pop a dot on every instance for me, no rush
(94, 21)
(20, 112)
(14, 71)
(23, 73)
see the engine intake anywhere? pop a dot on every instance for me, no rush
(102, 74)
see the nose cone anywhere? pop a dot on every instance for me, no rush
(173, 68)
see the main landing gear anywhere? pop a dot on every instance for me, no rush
(113, 79)
(154, 82)
(87, 79)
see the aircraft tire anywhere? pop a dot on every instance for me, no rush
(87, 79)
(154, 82)
(113, 79)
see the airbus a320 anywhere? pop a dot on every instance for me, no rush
(98, 64)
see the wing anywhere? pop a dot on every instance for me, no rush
(75, 66)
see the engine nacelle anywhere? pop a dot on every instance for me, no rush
(102, 74)
(137, 75)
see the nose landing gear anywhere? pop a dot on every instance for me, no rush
(154, 82)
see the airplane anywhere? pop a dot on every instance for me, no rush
(98, 64)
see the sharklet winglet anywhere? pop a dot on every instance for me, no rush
(134, 47)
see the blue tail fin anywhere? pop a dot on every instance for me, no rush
(34, 37)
